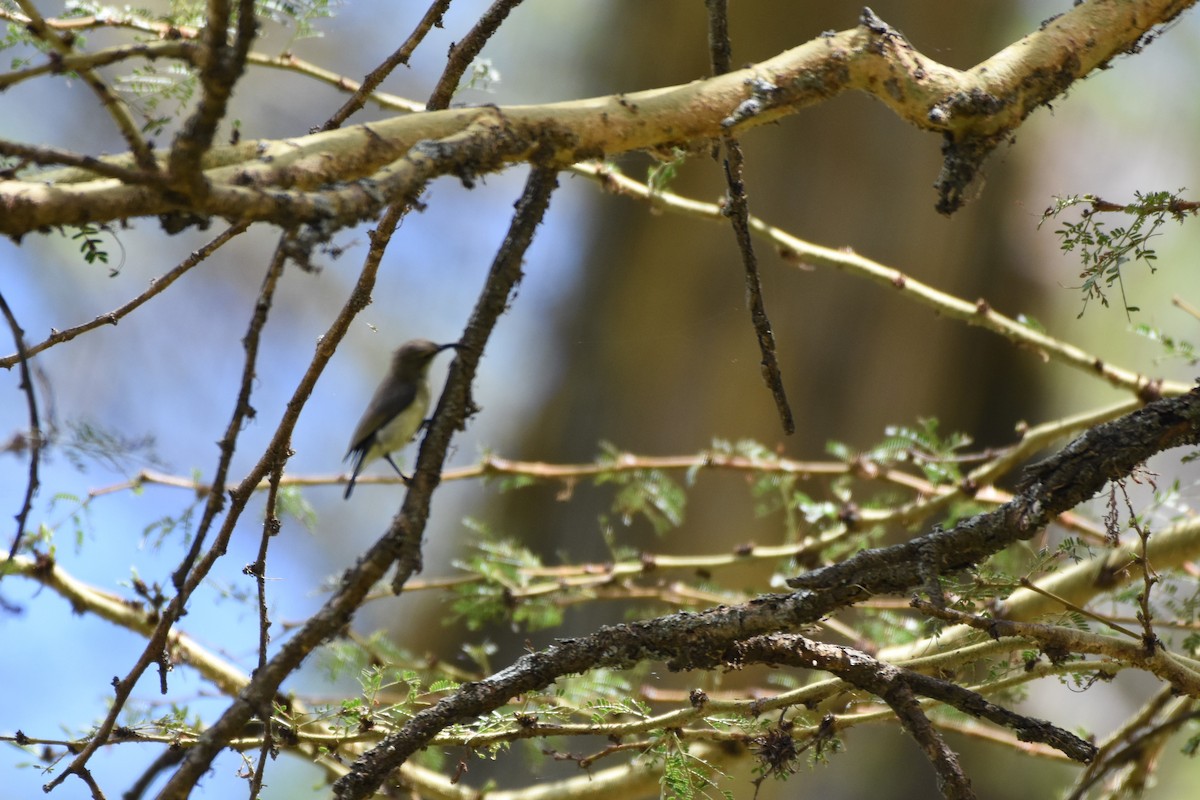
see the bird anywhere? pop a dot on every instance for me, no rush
(397, 409)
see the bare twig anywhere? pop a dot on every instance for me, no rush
(865, 672)
(258, 570)
(952, 781)
(63, 45)
(737, 208)
(185, 579)
(432, 19)
(803, 253)
(53, 156)
(464, 52)
(157, 286)
(74, 62)
(242, 411)
(35, 428)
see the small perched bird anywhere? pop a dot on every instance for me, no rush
(397, 409)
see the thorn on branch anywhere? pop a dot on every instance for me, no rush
(871, 21)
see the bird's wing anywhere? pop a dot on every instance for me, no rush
(390, 399)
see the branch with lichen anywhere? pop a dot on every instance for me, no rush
(333, 179)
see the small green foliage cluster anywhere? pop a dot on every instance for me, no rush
(660, 176)
(921, 446)
(506, 582)
(1104, 250)
(1172, 347)
(89, 244)
(481, 76)
(685, 776)
(159, 94)
(647, 493)
(504, 571)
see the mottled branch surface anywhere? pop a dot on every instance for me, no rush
(333, 179)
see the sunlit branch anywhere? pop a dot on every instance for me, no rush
(979, 313)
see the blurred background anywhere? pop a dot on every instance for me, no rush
(629, 328)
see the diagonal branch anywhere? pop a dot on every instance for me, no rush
(432, 18)
(690, 640)
(63, 46)
(464, 52)
(401, 543)
(880, 678)
(804, 253)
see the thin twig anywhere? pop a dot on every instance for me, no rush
(157, 286)
(465, 51)
(432, 19)
(182, 50)
(54, 156)
(737, 209)
(35, 428)
(270, 529)
(803, 253)
(186, 580)
(242, 411)
(63, 45)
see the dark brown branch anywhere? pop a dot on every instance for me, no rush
(181, 50)
(720, 50)
(168, 758)
(869, 674)
(699, 640)
(223, 65)
(94, 787)
(1076, 473)
(185, 579)
(896, 687)
(465, 51)
(401, 543)
(737, 208)
(952, 781)
(258, 570)
(53, 156)
(35, 426)
(432, 19)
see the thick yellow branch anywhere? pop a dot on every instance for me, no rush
(338, 178)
